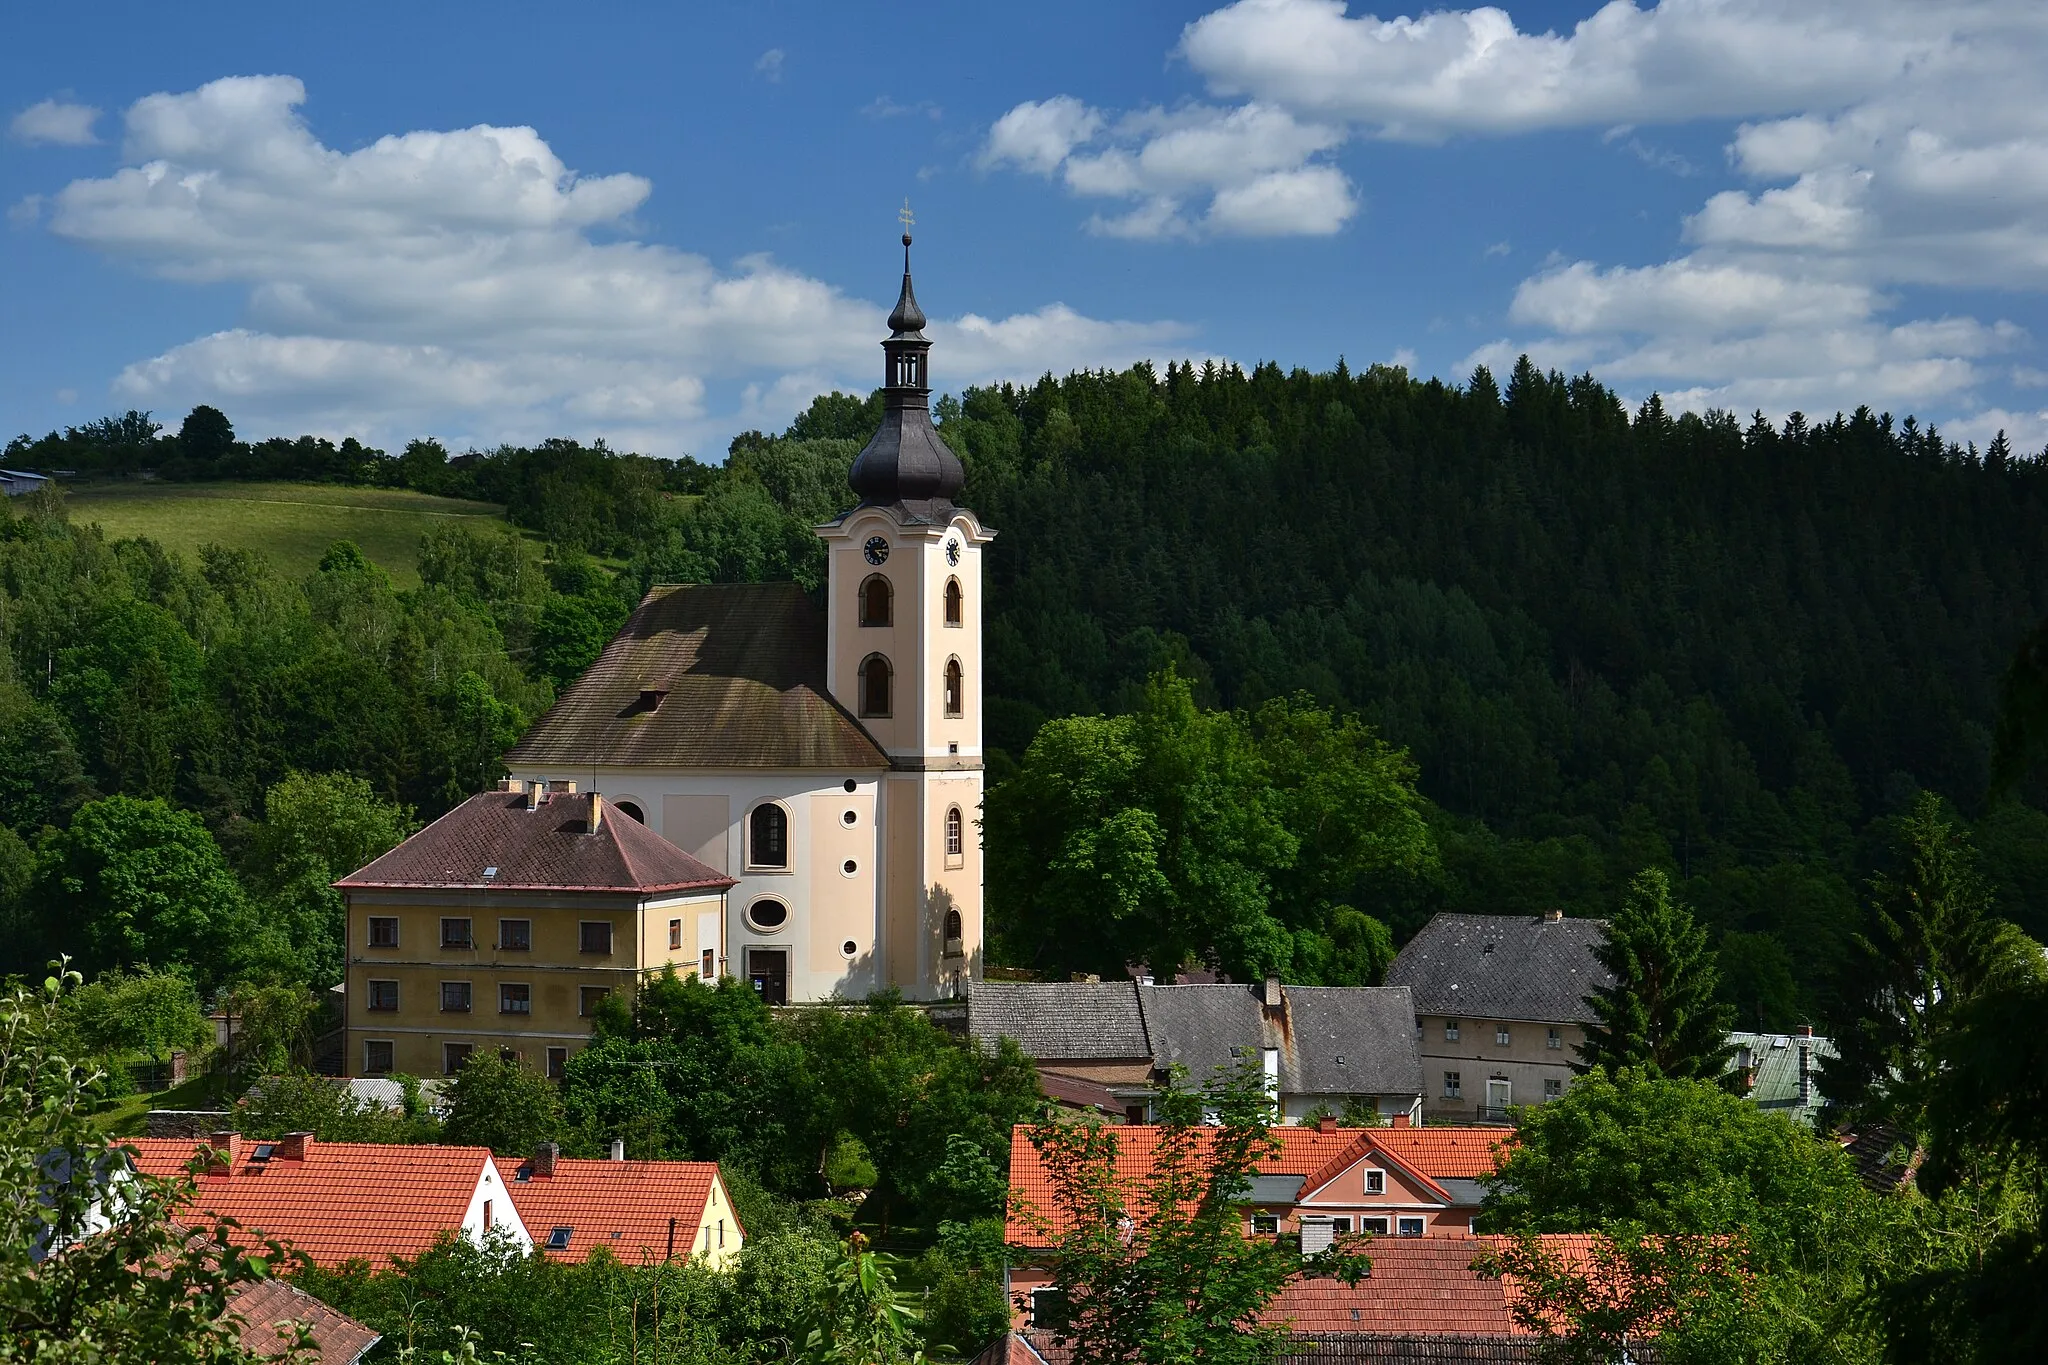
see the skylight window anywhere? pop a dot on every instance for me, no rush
(263, 1151)
(558, 1239)
(491, 871)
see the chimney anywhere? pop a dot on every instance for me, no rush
(618, 1149)
(1552, 916)
(296, 1146)
(596, 811)
(1398, 1121)
(544, 1158)
(230, 1143)
(533, 794)
(1806, 1030)
(511, 784)
(1326, 1123)
(1805, 1064)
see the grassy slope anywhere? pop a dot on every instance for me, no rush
(290, 523)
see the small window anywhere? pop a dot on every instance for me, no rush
(1450, 1085)
(1265, 1225)
(952, 926)
(876, 601)
(558, 1062)
(383, 931)
(708, 967)
(383, 996)
(1375, 1182)
(455, 934)
(558, 1238)
(589, 998)
(1410, 1227)
(768, 836)
(377, 1057)
(632, 812)
(1501, 1036)
(453, 1055)
(455, 997)
(489, 1221)
(596, 936)
(768, 916)
(1450, 1030)
(1553, 1088)
(1418, 1028)
(874, 686)
(514, 999)
(1376, 1226)
(955, 688)
(675, 935)
(1048, 1308)
(956, 832)
(1553, 1040)
(953, 601)
(515, 935)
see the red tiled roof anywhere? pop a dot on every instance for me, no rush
(546, 849)
(345, 1201)
(338, 1338)
(1417, 1285)
(623, 1206)
(1317, 1156)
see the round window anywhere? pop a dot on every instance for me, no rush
(851, 817)
(849, 867)
(849, 950)
(851, 784)
(767, 916)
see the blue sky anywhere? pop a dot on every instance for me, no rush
(663, 225)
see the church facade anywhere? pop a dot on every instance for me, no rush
(828, 760)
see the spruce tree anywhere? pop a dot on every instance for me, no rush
(1659, 1016)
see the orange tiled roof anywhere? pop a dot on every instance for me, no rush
(338, 1339)
(1417, 1285)
(344, 1201)
(1315, 1155)
(623, 1206)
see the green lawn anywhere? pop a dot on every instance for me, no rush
(290, 523)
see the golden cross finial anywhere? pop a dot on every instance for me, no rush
(905, 217)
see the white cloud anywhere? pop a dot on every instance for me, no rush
(55, 123)
(1253, 163)
(768, 65)
(452, 277)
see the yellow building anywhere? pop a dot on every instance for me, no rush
(507, 921)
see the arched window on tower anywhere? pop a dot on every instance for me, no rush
(768, 836)
(874, 686)
(952, 931)
(953, 596)
(955, 688)
(876, 601)
(956, 833)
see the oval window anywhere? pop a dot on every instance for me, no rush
(767, 916)
(849, 950)
(849, 867)
(850, 818)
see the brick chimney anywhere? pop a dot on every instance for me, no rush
(1326, 1123)
(296, 1146)
(230, 1143)
(544, 1158)
(1398, 1121)
(533, 790)
(512, 784)
(1806, 1030)
(1552, 916)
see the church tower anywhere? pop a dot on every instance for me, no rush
(904, 650)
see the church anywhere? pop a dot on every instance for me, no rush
(828, 762)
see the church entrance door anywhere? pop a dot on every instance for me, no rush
(768, 971)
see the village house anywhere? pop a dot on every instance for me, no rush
(337, 1202)
(639, 1211)
(507, 921)
(828, 761)
(1500, 1009)
(1322, 1049)
(1781, 1071)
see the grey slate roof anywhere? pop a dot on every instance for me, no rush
(1503, 967)
(1061, 1021)
(1336, 1041)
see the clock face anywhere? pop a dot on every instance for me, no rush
(877, 550)
(952, 552)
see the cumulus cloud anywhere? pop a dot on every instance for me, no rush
(453, 276)
(55, 123)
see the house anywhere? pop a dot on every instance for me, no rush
(828, 760)
(337, 1202)
(1781, 1071)
(260, 1306)
(638, 1211)
(506, 922)
(1399, 1182)
(1323, 1048)
(1500, 1008)
(15, 482)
